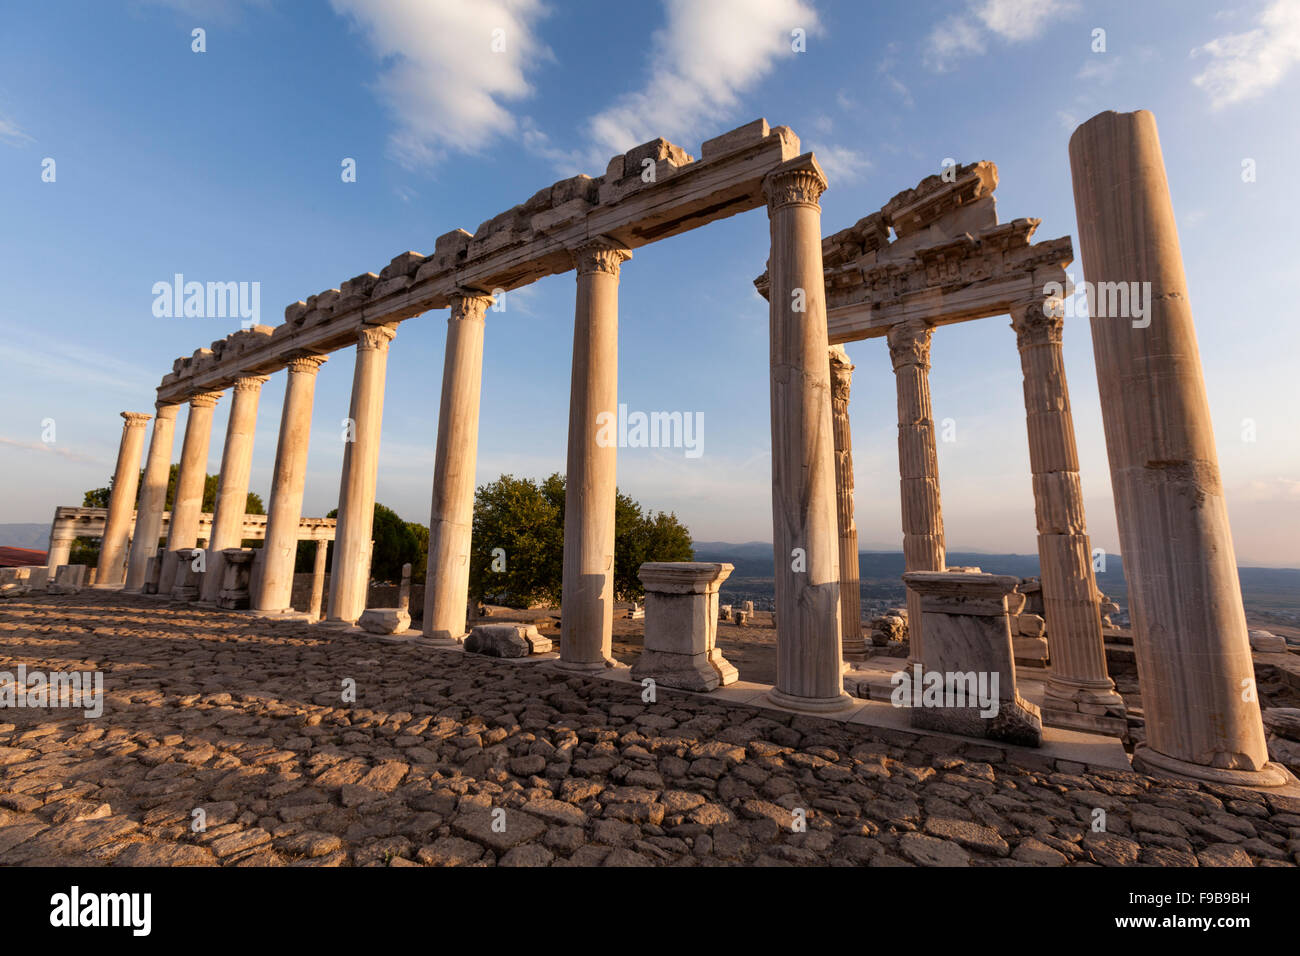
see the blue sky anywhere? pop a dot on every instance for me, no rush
(225, 166)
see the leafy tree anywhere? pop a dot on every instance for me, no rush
(396, 543)
(525, 520)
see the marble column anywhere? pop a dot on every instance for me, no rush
(153, 496)
(918, 465)
(273, 592)
(318, 579)
(587, 605)
(809, 669)
(446, 587)
(232, 486)
(350, 575)
(187, 505)
(1078, 682)
(60, 548)
(1189, 626)
(854, 645)
(121, 503)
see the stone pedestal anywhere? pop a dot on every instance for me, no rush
(918, 466)
(186, 578)
(236, 574)
(183, 531)
(121, 503)
(681, 626)
(809, 670)
(1189, 627)
(851, 636)
(390, 620)
(446, 589)
(232, 486)
(153, 496)
(350, 576)
(1080, 694)
(274, 591)
(587, 605)
(69, 579)
(152, 574)
(968, 653)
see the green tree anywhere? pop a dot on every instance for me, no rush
(396, 542)
(525, 520)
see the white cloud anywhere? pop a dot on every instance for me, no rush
(840, 163)
(1246, 65)
(442, 80)
(10, 133)
(704, 57)
(1014, 21)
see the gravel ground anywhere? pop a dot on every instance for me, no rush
(447, 759)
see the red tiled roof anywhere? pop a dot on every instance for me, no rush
(21, 557)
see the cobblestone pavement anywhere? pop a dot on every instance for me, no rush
(244, 719)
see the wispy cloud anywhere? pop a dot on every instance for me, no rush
(1245, 65)
(705, 56)
(449, 69)
(968, 32)
(841, 164)
(50, 449)
(10, 133)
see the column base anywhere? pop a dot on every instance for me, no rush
(586, 667)
(810, 705)
(1157, 764)
(1098, 698)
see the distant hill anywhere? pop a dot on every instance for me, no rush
(1271, 589)
(26, 536)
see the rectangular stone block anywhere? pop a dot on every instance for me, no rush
(681, 626)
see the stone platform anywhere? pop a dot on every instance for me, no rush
(243, 717)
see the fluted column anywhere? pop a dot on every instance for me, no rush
(1189, 627)
(187, 505)
(805, 533)
(587, 604)
(121, 503)
(918, 465)
(446, 590)
(349, 577)
(318, 579)
(1078, 681)
(61, 538)
(274, 587)
(153, 496)
(232, 484)
(855, 647)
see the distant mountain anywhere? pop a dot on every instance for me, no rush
(29, 536)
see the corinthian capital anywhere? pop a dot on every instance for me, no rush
(909, 343)
(136, 419)
(841, 374)
(469, 304)
(250, 383)
(306, 363)
(600, 255)
(1038, 321)
(375, 338)
(204, 399)
(799, 182)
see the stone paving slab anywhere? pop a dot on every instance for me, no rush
(446, 758)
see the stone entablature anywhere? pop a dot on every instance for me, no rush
(70, 522)
(628, 204)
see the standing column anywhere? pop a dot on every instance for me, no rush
(187, 505)
(855, 647)
(918, 465)
(809, 668)
(274, 592)
(232, 486)
(153, 496)
(61, 538)
(121, 503)
(446, 583)
(1078, 681)
(587, 603)
(1189, 626)
(318, 579)
(349, 578)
